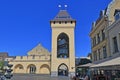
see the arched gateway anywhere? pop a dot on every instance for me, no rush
(62, 70)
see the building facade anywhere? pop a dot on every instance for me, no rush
(63, 50)
(105, 40)
(36, 62)
(114, 35)
(61, 61)
(99, 33)
(3, 55)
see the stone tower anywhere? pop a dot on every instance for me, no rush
(63, 49)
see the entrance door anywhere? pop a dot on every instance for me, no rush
(32, 69)
(62, 70)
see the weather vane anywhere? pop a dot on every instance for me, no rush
(65, 6)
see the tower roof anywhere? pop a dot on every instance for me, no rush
(63, 15)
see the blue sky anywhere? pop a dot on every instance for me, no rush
(25, 23)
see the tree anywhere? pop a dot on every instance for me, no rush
(1, 68)
(1, 65)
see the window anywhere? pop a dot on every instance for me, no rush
(59, 22)
(115, 45)
(99, 54)
(21, 57)
(54, 22)
(95, 55)
(117, 14)
(98, 38)
(65, 22)
(104, 52)
(33, 57)
(20, 67)
(103, 34)
(94, 41)
(63, 46)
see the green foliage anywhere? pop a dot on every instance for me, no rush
(1, 65)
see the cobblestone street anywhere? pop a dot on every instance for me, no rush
(36, 77)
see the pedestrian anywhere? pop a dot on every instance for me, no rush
(86, 77)
(77, 75)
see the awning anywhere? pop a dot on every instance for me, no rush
(85, 65)
(112, 62)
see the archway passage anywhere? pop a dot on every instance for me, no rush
(31, 69)
(44, 69)
(63, 70)
(18, 68)
(63, 46)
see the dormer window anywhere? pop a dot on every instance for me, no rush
(101, 13)
(54, 22)
(65, 22)
(59, 22)
(117, 14)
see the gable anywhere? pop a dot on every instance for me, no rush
(39, 50)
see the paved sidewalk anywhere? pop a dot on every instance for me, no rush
(37, 77)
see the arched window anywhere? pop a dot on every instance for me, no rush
(45, 69)
(18, 68)
(31, 69)
(63, 46)
(63, 70)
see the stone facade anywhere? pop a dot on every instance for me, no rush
(99, 34)
(61, 61)
(36, 62)
(63, 26)
(114, 32)
(105, 40)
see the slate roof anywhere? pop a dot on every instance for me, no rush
(3, 54)
(63, 15)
